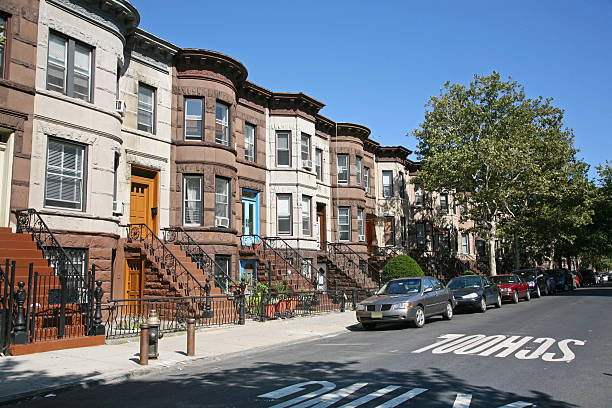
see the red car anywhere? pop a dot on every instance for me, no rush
(512, 287)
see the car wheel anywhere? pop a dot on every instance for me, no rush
(483, 305)
(538, 293)
(368, 326)
(498, 304)
(528, 296)
(419, 317)
(448, 314)
(546, 290)
(515, 298)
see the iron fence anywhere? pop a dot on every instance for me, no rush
(264, 306)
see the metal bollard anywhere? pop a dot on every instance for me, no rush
(191, 337)
(354, 299)
(144, 344)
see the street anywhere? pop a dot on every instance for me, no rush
(554, 351)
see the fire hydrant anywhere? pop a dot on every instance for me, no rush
(154, 334)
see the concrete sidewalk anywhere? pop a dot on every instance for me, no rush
(34, 374)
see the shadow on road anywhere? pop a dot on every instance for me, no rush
(206, 385)
(588, 291)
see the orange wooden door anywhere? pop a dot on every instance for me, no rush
(133, 278)
(143, 201)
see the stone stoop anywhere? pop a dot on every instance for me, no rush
(344, 279)
(279, 267)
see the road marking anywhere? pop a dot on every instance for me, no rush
(463, 401)
(402, 398)
(568, 355)
(511, 344)
(518, 404)
(447, 338)
(326, 386)
(546, 342)
(331, 398)
(373, 395)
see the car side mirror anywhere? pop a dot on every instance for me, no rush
(427, 290)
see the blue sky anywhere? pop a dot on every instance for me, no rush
(377, 62)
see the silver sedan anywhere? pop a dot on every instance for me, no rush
(406, 300)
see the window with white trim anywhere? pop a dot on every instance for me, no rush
(465, 245)
(366, 179)
(65, 178)
(358, 172)
(418, 196)
(192, 200)
(342, 161)
(249, 142)
(344, 223)
(194, 122)
(69, 67)
(319, 164)
(360, 225)
(146, 108)
(283, 214)
(305, 147)
(387, 181)
(283, 149)
(306, 217)
(222, 203)
(222, 121)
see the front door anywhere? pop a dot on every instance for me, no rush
(133, 281)
(250, 215)
(370, 237)
(6, 167)
(143, 199)
(322, 233)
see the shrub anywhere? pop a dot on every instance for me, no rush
(469, 272)
(402, 266)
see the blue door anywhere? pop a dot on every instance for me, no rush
(250, 216)
(248, 271)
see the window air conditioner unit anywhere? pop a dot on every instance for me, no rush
(222, 222)
(361, 238)
(117, 207)
(307, 164)
(120, 107)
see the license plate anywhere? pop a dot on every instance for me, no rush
(376, 315)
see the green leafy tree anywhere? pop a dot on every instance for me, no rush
(498, 149)
(401, 266)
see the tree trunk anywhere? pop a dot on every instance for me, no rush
(492, 263)
(517, 251)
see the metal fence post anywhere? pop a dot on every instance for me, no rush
(335, 297)
(208, 313)
(20, 334)
(63, 278)
(241, 302)
(343, 302)
(98, 326)
(354, 298)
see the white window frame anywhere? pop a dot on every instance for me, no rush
(385, 187)
(288, 149)
(143, 107)
(345, 168)
(306, 215)
(319, 164)
(69, 68)
(419, 197)
(196, 118)
(305, 146)
(358, 167)
(360, 225)
(465, 244)
(223, 137)
(197, 200)
(282, 197)
(250, 140)
(77, 174)
(222, 203)
(366, 179)
(444, 208)
(344, 228)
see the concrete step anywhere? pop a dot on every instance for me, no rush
(18, 244)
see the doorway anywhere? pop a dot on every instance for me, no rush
(143, 198)
(322, 225)
(248, 271)
(250, 216)
(134, 282)
(370, 236)
(6, 175)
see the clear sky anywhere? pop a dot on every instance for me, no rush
(376, 63)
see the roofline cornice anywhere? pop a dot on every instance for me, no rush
(192, 59)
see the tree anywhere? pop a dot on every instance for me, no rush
(401, 266)
(498, 149)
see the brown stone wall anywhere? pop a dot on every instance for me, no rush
(17, 88)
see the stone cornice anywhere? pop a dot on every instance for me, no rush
(354, 130)
(370, 145)
(295, 101)
(325, 125)
(149, 44)
(254, 93)
(191, 63)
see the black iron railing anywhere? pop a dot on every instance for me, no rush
(178, 236)
(169, 264)
(365, 266)
(347, 265)
(276, 248)
(271, 305)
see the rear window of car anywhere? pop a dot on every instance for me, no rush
(401, 287)
(504, 279)
(465, 282)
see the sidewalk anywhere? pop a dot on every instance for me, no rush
(33, 374)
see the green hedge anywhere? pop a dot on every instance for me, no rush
(469, 272)
(402, 266)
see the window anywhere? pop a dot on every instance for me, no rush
(403, 227)
(115, 176)
(418, 195)
(358, 170)
(305, 148)
(146, 108)
(360, 225)
(387, 180)
(319, 164)
(343, 168)
(65, 184)
(366, 179)
(283, 149)
(194, 114)
(344, 223)
(192, 200)
(465, 245)
(389, 231)
(3, 37)
(69, 67)
(402, 186)
(307, 268)
(283, 214)
(306, 211)
(444, 202)
(421, 235)
(222, 207)
(249, 142)
(437, 285)
(222, 271)
(222, 124)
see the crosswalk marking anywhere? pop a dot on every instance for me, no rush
(373, 395)
(402, 398)
(462, 401)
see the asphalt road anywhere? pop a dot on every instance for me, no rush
(550, 352)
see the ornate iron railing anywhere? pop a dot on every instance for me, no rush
(178, 236)
(372, 272)
(271, 305)
(347, 265)
(168, 263)
(279, 249)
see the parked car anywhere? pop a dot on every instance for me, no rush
(551, 282)
(406, 300)
(475, 291)
(576, 279)
(512, 287)
(535, 279)
(565, 281)
(605, 278)
(590, 277)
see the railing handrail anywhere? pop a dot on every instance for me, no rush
(191, 241)
(352, 251)
(166, 250)
(331, 245)
(62, 251)
(297, 269)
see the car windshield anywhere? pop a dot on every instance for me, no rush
(465, 282)
(504, 279)
(527, 275)
(401, 287)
